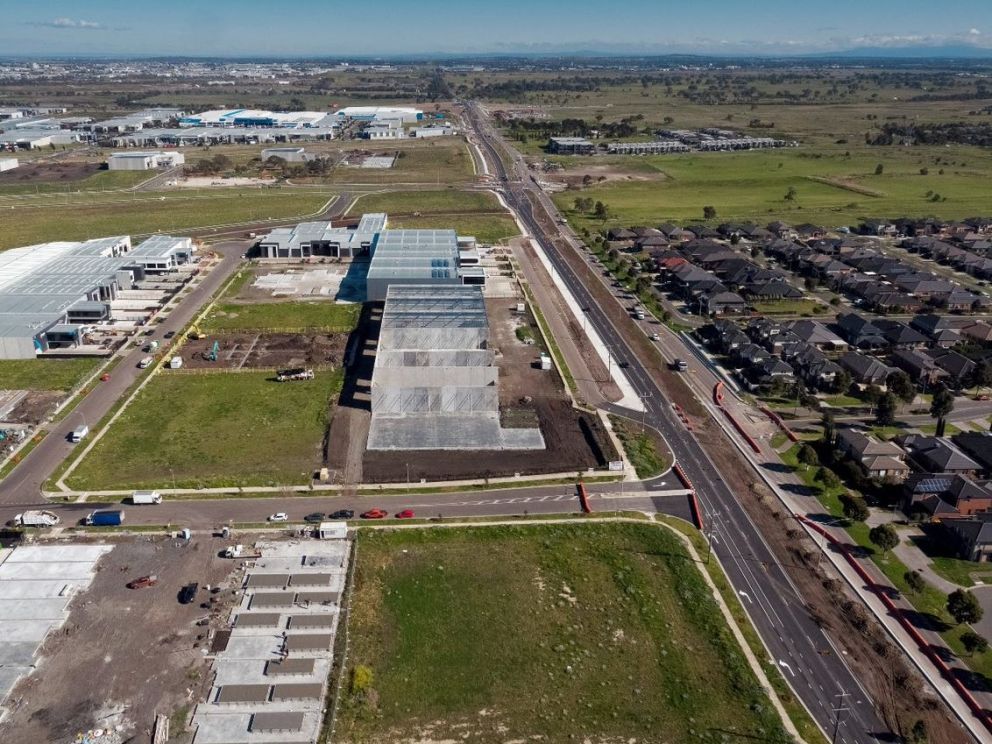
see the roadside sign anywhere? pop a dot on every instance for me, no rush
(616, 465)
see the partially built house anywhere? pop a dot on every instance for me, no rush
(434, 385)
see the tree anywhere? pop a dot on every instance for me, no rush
(856, 509)
(807, 455)
(827, 477)
(981, 377)
(709, 213)
(879, 169)
(919, 734)
(790, 195)
(974, 643)
(842, 381)
(884, 536)
(885, 413)
(901, 386)
(914, 580)
(829, 428)
(964, 607)
(601, 211)
(941, 406)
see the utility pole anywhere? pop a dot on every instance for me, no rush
(839, 708)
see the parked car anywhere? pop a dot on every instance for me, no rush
(680, 365)
(105, 377)
(169, 334)
(655, 337)
(188, 593)
(314, 517)
(342, 514)
(278, 517)
(405, 514)
(142, 581)
(375, 514)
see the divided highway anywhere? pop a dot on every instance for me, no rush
(813, 667)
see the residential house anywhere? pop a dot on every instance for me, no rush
(957, 366)
(920, 367)
(899, 335)
(946, 495)
(815, 333)
(937, 455)
(881, 460)
(721, 303)
(978, 446)
(865, 370)
(972, 537)
(860, 332)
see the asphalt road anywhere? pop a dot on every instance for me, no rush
(814, 668)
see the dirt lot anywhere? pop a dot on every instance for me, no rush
(600, 174)
(265, 350)
(35, 407)
(48, 172)
(126, 655)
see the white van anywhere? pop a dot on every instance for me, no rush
(146, 497)
(145, 363)
(78, 433)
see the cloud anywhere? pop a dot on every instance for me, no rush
(76, 23)
(974, 32)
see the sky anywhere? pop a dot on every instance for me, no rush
(396, 27)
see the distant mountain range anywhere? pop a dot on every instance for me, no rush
(950, 51)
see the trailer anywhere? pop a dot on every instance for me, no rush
(105, 518)
(37, 518)
(146, 497)
(299, 373)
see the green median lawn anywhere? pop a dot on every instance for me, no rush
(598, 632)
(214, 429)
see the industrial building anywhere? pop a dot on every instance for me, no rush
(432, 131)
(380, 113)
(288, 154)
(133, 122)
(390, 129)
(571, 146)
(646, 148)
(434, 384)
(258, 118)
(144, 160)
(221, 136)
(50, 293)
(435, 257)
(310, 239)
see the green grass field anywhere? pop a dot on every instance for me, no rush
(94, 215)
(444, 201)
(44, 374)
(468, 212)
(284, 317)
(100, 181)
(831, 188)
(587, 632)
(215, 429)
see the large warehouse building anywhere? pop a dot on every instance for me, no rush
(380, 113)
(50, 292)
(434, 385)
(144, 160)
(437, 257)
(256, 118)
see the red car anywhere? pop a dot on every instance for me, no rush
(142, 581)
(375, 514)
(105, 377)
(405, 514)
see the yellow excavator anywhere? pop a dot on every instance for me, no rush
(195, 334)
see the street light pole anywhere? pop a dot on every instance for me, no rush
(838, 709)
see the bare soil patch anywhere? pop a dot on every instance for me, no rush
(126, 655)
(602, 173)
(35, 407)
(265, 350)
(49, 172)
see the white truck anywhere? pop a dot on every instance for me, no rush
(79, 433)
(146, 362)
(146, 497)
(37, 518)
